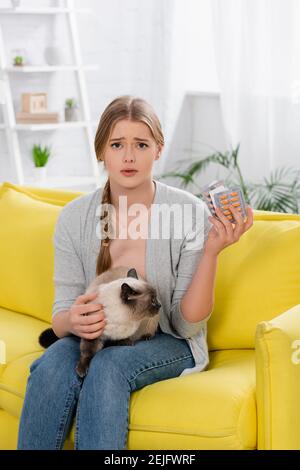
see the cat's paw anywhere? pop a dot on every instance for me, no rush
(81, 370)
(146, 337)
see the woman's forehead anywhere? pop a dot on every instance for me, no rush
(133, 129)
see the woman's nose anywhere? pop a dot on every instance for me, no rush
(129, 155)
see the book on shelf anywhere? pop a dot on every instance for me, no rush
(36, 118)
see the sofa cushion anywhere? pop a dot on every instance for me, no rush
(212, 409)
(257, 279)
(19, 333)
(23, 190)
(19, 336)
(26, 252)
(8, 431)
(55, 196)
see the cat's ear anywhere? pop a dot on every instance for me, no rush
(127, 291)
(132, 273)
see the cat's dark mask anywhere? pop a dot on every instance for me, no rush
(126, 290)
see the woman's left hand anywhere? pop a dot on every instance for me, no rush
(225, 233)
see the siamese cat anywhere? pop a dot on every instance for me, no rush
(131, 311)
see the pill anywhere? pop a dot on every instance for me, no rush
(234, 193)
(226, 212)
(223, 197)
(236, 204)
(224, 202)
(234, 199)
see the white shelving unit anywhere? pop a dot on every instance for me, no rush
(12, 128)
(49, 68)
(40, 11)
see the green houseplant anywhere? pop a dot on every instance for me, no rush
(40, 156)
(280, 192)
(18, 60)
(71, 110)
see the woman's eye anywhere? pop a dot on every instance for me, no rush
(116, 143)
(142, 143)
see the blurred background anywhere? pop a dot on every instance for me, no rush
(222, 75)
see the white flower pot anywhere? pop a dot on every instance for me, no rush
(15, 3)
(40, 173)
(54, 55)
(71, 114)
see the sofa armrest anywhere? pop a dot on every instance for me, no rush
(277, 357)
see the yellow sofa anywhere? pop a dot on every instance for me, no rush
(248, 398)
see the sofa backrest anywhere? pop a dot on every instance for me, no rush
(27, 221)
(257, 279)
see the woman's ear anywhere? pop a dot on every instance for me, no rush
(159, 151)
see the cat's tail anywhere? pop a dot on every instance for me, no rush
(47, 337)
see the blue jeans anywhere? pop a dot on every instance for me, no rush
(100, 401)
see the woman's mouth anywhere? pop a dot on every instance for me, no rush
(129, 172)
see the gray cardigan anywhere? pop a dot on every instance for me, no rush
(170, 261)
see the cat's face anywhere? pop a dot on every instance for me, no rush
(139, 296)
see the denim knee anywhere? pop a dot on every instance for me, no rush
(61, 356)
(107, 360)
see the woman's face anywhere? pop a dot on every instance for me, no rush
(130, 145)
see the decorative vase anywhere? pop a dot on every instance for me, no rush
(40, 174)
(53, 55)
(71, 114)
(15, 3)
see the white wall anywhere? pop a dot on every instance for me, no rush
(199, 133)
(124, 38)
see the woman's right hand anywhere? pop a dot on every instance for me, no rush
(82, 322)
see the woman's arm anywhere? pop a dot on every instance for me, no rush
(61, 324)
(189, 308)
(69, 277)
(197, 303)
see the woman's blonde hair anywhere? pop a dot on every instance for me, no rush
(133, 109)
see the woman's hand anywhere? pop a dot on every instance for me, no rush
(82, 322)
(225, 233)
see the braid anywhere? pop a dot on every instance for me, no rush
(104, 259)
(130, 108)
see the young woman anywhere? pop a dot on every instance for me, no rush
(129, 137)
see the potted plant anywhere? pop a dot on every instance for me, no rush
(71, 110)
(40, 156)
(279, 193)
(18, 60)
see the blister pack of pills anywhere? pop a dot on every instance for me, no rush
(216, 194)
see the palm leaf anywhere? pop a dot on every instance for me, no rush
(279, 193)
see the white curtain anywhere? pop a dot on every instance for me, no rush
(141, 46)
(257, 45)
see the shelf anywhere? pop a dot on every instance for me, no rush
(47, 68)
(63, 182)
(11, 129)
(41, 11)
(58, 125)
